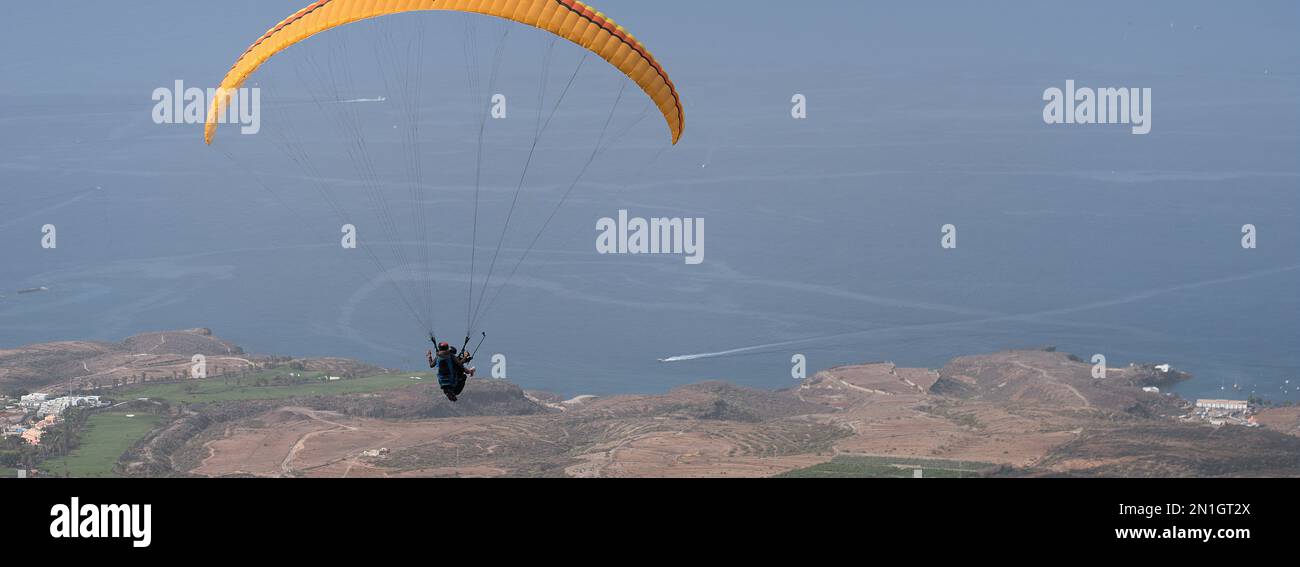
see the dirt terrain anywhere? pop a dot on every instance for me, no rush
(1014, 413)
(1033, 412)
(1284, 419)
(710, 429)
(87, 365)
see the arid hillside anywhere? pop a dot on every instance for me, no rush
(88, 365)
(1013, 413)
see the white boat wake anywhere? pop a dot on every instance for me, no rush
(741, 350)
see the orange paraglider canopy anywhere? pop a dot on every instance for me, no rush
(569, 19)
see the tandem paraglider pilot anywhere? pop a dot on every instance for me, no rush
(452, 369)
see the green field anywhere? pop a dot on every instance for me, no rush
(226, 389)
(889, 467)
(105, 437)
(8, 473)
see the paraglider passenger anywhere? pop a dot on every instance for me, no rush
(452, 372)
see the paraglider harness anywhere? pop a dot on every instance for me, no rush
(451, 365)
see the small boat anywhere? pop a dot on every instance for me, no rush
(32, 290)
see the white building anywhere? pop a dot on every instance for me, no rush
(32, 401)
(1226, 405)
(59, 405)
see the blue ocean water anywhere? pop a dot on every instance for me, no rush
(822, 234)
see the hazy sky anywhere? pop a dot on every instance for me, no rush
(88, 45)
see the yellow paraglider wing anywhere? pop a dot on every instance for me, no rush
(569, 19)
